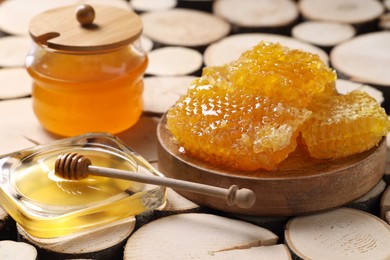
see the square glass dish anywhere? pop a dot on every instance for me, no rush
(47, 206)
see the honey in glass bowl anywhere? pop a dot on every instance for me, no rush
(47, 206)
(86, 77)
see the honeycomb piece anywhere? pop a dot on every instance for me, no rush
(344, 125)
(290, 76)
(233, 127)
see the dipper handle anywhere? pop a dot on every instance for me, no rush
(73, 166)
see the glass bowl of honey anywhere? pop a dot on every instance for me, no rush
(47, 206)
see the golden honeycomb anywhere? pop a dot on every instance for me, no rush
(290, 76)
(343, 125)
(235, 128)
(249, 113)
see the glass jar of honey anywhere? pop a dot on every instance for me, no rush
(87, 69)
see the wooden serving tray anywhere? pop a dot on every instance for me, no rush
(299, 185)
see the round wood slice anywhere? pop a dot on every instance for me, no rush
(174, 61)
(14, 50)
(152, 5)
(15, 83)
(345, 11)
(344, 86)
(323, 34)
(385, 203)
(16, 15)
(100, 243)
(339, 234)
(19, 129)
(231, 47)
(17, 250)
(184, 27)
(257, 13)
(365, 58)
(147, 43)
(160, 93)
(300, 184)
(202, 236)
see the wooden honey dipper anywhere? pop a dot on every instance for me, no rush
(73, 166)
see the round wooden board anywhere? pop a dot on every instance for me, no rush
(174, 61)
(184, 27)
(14, 50)
(346, 11)
(257, 13)
(365, 58)
(325, 34)
(343, 233)
(299, 185)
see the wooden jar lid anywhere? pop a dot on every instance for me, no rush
(83, 28)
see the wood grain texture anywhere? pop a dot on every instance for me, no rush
(365, 58)
(346, 11)
(107, 242)
(339, 234)
(203, 236)
(257, 13)
(300, 184)
(184, 27)
(112, 28)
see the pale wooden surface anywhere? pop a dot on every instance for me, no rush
(17, 250)
(339, 234)
(365, 58)
(202, 236)
(322, 33)
(257, 13)
(174, 61)
(347, 11)
(184, 27)
(19, 129)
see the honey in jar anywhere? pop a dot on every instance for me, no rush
(87, 72)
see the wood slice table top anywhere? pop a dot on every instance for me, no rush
(300, 185)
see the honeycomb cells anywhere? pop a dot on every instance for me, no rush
(248, 114)
(343, 125)
(235, 129)
(289, 76)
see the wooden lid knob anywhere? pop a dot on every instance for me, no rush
(85, 14)
(83, 28)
